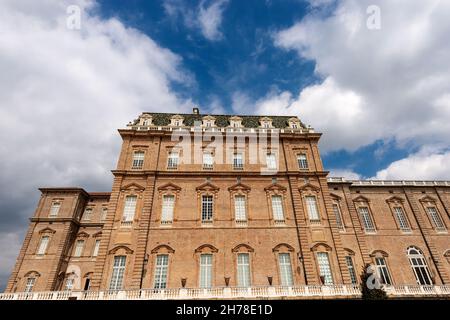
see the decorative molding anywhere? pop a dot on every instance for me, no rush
(162, 246)
(361, 199)
(82, 234)
(242, 245)
(379, 252)
(278, 247)
(335, 197)
(428, 199)
(132, 186)
(207, 186)
(239, 187)
(116, 248)
(309, 187)
(275, 187)
(169, 187)
(395, 199)
(47, 230)
(321, 244)
(204, 246)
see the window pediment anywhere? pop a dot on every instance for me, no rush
(361, 199)
(321, 247)
(32, 273)
(275, 188)
(283, 247)
(132, 187)
(242, 248)
(169, 187)
(206, 248)
(47, 230)
(82, 234)
(97, 235)
(335, 197)
(239, 187)
(207, 187)
(427, 199)
(395, 199)
(379, 253)
(121, 247)
(162, 248)
(309, 187)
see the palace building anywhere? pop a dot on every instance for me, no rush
(219, 206)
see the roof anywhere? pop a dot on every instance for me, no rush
(222, 120)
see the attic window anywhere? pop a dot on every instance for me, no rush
(265, 122)
(176, 121)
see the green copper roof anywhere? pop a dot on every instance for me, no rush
(163, 119)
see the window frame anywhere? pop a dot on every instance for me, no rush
(161, 271)
(303, 164)
(118, 273)
(137, 163)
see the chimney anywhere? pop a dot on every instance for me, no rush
(195, 110)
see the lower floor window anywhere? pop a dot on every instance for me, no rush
(382, 271)
(324, 268)
(30, 284)
(284, 261)
(243, 270)
(118, 273)
(162, 264)
(351, 269)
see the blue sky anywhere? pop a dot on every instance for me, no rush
(372, 75)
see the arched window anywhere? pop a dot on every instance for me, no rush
(419, 266)
(381, 265)
(30, 280)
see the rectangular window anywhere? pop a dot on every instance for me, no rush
(87, 214)
(206, 270)
(436, 218)
(284, 260)
(138, 160)
(172, 161)
(208, 160)
(337, 213)
(271, 161)
(239, 208)
(43, 245)
(324, 268)
(129, 208)
(277, 207)
(313, 211)
(30, 284)
(104, 214)
(366, 219)
(382, 270)
(69, 284)
(237, 161)
(54, 209)
(117, 273)
(207, 208)
(162, 264)
(96, 248)
(351, 269)
(167, 209)
(401, 218)
(302, 161)
(78, 248)
(243, 270)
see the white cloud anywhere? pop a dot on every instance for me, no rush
(348, 174)
(377, 84)
(65, 92)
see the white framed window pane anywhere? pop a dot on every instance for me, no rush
(313, 211)
(277, 207)
(78, 248)
(239, 208)
(206, 270)
(54, 209)
(383, 271)
(324, 267)
(237, 160)
(284, 260)
(167, 209)
(138, 160)
(366, 219)
(436, 218)
(43, 245)
(69, 284)
(129, 208)
(271, 161)
(104, 214)
(118, 273)
(208, 160)
(401, 218)
(162, 263)
(302, 161)
(96, 248)
(243, 270)
(337, 213)
(351, 269)
(30, 284)
(207, 208)
(420, 267)
(172, 161)
(87, 214)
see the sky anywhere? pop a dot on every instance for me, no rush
(372, 75)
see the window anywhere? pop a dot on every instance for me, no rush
(30, 284)
(129, 208)
(271, 161)
(54, 209)
(207, 160)
(383, 271)
(104, 214)
(243, 270)
(43, 245)
(69, 284)
(351, 269)
(239, 208)
(302, 161)
(87, 214)
(284, 260)
(167, 209)
(162, 263)
(324, 268)
(96, 248)
(366, 219)
(138, 160)
(117, 273)
(78, 248)
(337, 213)
(294, 125)
(436, 218)
(207, 208)
(419, 266)
(401, 218)
(277, 208)
(237, 161)
(172, 161)
(206, 270)
(313, 212)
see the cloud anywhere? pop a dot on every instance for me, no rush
(63, 94)
(348, 174)
(206, 17)
(376, 84)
